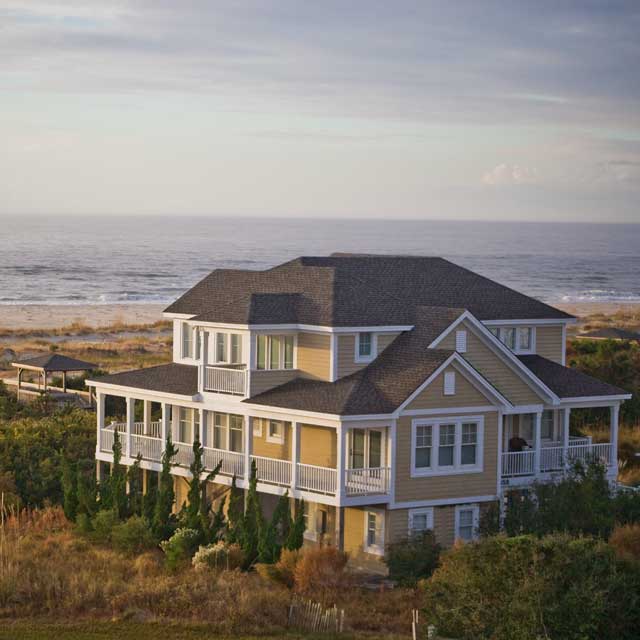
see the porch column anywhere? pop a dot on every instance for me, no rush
(100, 415)
(204, 345)
(248, 442)
(615, 414)
(201, 428)
(341, 451)
(295, 453)
(164, 425)
(537, 442)
(566, 421)
(130, 421)
(146, 416)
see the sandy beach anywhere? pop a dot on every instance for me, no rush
(59, 316)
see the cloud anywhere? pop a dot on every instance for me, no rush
(510, 174)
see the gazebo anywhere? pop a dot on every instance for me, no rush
(51, 363)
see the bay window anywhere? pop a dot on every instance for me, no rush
(518, 339)
(275, 352)
(458, 444)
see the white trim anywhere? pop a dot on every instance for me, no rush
(461, 341)
(449, 410)
(527, 408)
(418, 511)
(374, 348)
(457, 468)
(626, 396)
(533, 322)
(276, 439)
(333, 358)
(378, 548)
(564, 345)
(296, 327)
(141, 394)
(442, 502)
(449, 388)
(499, 461)
(499, 348)
(475, 521)
(178, 316)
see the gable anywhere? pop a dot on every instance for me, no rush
(466, 393)
(510, 383)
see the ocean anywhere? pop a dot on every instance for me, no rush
(106, 260)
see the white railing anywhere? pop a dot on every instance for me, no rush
(318, 479)
(232, 462)
(184, 455)
(272, 470)
(150, 448)
(586, 453)
(551, 458)
(362, 482)
(518, 463)
(225, 380)
(106, 440)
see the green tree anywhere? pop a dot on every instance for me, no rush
(295, 538)
(118, 480)
(86, 488)
(134, 480)
(253, 523)
(69, 489)
(163, 523)
(235, 514)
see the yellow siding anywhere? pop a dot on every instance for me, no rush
(314, 355)
(433, 397)
(261, 447)
(265, 380)
(181, 489)
(318, 446)
(445, 486)
(507, 381)
(354, 542)
(549, 343)
(347, 350)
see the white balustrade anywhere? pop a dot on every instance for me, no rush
(518, 463)
(225, 380)
(150, 448)
(551, 458)
(232, 462)
(272, 470)
(106, 440)
(586, 453)
(318, 479)
(362, 482)
(184, 455)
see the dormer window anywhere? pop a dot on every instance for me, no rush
(275, 352)
(365, 347)
(518, 339)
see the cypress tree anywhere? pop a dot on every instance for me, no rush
(197, 509)
(235, 515)
(86, 488)
(296, 534)
(150, 497)
(117, 480)
(253, 523)
(162, 521)
(134, 479)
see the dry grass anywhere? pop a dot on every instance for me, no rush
(49, 571)
(79, 328)
(624, 319)
(626, 542)
(628, 447)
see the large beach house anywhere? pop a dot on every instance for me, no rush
(391, 393)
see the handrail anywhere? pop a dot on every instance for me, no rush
(225, 380)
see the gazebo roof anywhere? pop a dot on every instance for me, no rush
(54, 362)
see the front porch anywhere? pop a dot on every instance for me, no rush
(361, 473)
(535, 444)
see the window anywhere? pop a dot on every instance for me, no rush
(467, 517)
(420, 520)
(220, 430)
(221, 347)
(374, 532)
(275, 432)
(257, 427)
(187, 341)
(188, 424)
(423, 446)
(518, 339)
(461, 341)
(309, 516)
(261, 357)
(275, 352)
(469, 444)
(288, 352)
(546, 428)
(236, 348)
(365, 347)
(449, 383)
(366, 448)
(447, 446)
(235, 433)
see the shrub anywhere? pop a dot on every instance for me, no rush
(103, 524)
(179, 548)
(625, 541)
(320, 573)
(283, 571)
(527, 587)
(133, 536)
(218, 556)
(413, 559)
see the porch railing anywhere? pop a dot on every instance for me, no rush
(586, 453)
(184, 455)
(317, 479)
(273, 471)
(518, 463)
(225, 380)
(150, 448)
(362, 482)
(232, 462)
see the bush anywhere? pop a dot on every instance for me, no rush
(219, 556)
(180, 547)
(625, 541)
(413, 559)
(103, 524)
(320, 573)
(283, 571)
(527, 587)
(133, 536)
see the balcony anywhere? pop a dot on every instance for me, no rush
(230, 379)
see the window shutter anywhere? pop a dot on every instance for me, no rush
(461, 341)
(449, 383)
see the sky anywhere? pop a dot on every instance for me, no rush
(507, 110)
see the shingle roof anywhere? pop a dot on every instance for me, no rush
(56, 362)
(383, 385)
(566, 382)
(181, 379)
(353, 290)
